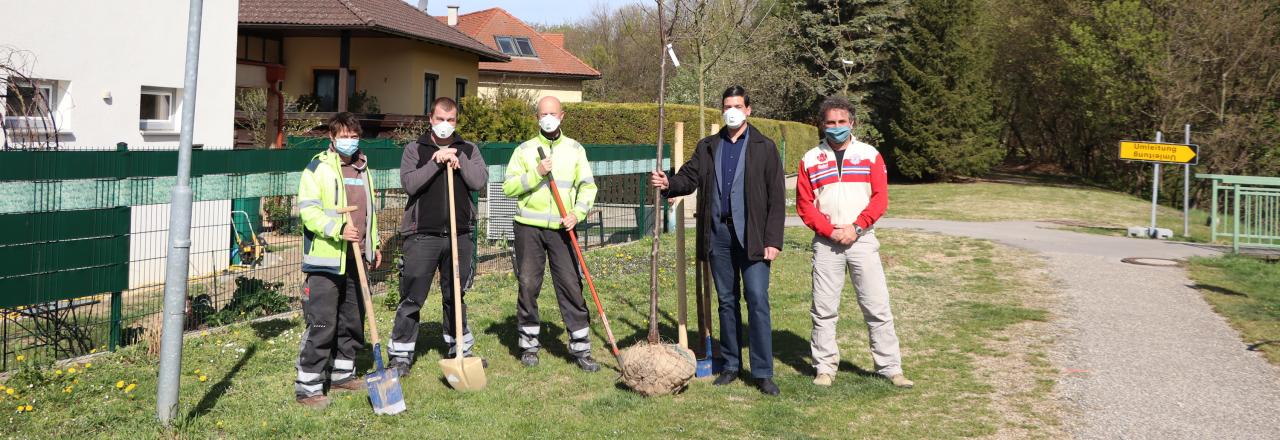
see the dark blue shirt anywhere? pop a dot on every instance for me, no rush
(730, 152)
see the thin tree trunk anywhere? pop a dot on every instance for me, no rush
(657, 195)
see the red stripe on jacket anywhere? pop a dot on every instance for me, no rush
(819, 222)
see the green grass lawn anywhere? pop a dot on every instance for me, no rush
(1083, 209)
(970, 315)
(1247, 292)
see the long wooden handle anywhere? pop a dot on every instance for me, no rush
(457, 285)
(365, 293)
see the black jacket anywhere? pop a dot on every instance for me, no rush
(427, 210)
(764, 191)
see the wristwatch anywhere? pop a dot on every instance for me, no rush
(858, 230)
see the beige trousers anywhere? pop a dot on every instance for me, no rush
(862, 259)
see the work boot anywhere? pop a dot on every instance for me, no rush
(725, 377)
(586, 363)
(352, 384)
(767, 386)
(529, 359)
(318, 401)
(901, 381)
(824, 380)
(401, 367)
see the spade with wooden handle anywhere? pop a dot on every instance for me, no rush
(383, 384)
(462, 373)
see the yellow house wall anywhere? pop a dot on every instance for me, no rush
(566, 90)
(391, 69)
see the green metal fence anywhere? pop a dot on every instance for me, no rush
(1246, 209)
(84, 236)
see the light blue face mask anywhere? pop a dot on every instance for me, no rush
(346, 147)
(838, 134)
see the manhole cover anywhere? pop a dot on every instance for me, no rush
(1147, 261)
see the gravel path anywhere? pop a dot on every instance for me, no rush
(1142, 355)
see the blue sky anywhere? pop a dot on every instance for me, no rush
(530, 11)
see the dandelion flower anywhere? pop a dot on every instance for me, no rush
(28, 408)
(20, 358)
(67, 390)
(57, 373)
(196, 372)
(71, 370)
(92, 351)
(129, 389)
(20, 407)
(203, 378)
(88, 365)
(219, 424)
(9, 391)
(120, 384)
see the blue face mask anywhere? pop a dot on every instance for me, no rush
(838, 134)
(346, 147)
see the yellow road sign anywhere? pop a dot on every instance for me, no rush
(1159, 152)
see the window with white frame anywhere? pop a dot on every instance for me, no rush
(42, 105)
(156, 109)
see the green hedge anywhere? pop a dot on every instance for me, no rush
(612, 123)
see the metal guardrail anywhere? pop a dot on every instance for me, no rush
(1246, 208)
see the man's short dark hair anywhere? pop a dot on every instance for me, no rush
(343, 120)
(736, 90)
(443, 103)
(836, 103)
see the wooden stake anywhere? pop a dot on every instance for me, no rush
(682, 289)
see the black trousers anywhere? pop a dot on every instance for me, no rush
(535, 247)
(424, 257)
(331, 305)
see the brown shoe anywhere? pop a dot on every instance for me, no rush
(824, 379)
(901, 381)
(354, 384)
(318, 401)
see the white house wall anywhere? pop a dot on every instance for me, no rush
(102, 53)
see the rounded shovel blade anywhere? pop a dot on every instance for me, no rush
(466, 374)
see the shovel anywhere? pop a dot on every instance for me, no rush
(384, 385)
(462, 373)
(582, 262)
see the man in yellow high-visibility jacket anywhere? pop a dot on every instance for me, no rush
(335, 178)
(540, 231)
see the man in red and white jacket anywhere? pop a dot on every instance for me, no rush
(841, 192)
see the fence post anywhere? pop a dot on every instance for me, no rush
(475, 231)
(116, 306)
(1213, 213)
(1235, 219)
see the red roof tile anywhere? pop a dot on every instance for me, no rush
(388, 16)
(552, 57)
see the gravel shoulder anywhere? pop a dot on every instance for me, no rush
(1140, 353)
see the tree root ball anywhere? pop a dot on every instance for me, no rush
(657, 369)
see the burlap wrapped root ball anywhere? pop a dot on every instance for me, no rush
(657, 369)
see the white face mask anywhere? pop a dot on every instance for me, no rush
(733, 118)
(549, 123)
(442, 130)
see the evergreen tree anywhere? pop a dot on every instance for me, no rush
(844, 45)
(941, 124)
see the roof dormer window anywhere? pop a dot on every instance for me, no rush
(516, 46)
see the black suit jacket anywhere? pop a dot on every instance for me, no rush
(764, 191)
